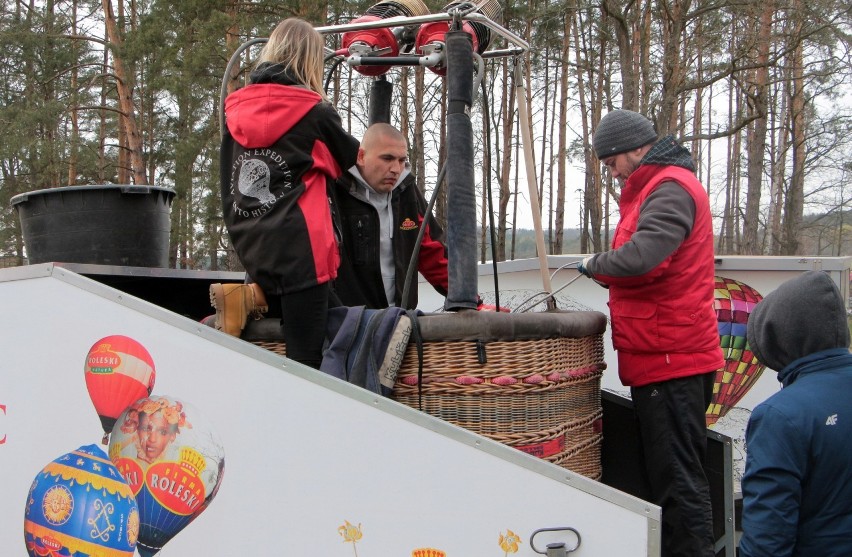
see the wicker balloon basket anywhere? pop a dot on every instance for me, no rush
(530, 381)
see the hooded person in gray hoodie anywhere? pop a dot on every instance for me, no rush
(797, 487)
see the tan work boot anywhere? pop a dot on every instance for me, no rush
(234, 304)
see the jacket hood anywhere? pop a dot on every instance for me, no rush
(259, 114)
(802, 316)
(364, 189)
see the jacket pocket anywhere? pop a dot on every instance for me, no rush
(678, 328)
(635, 325)
(361, 248)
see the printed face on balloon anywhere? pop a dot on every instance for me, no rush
(171, 459)
(149, 428)
(155, 434)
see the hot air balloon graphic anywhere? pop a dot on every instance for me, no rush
(80, 505)
(173, 463)
(733, 302)
(119, 371)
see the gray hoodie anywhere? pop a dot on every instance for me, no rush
(804, 315)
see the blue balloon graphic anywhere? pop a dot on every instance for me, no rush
(80, 505)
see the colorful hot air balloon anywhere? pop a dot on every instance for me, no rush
(733, 302)
(173, 463)
(118, 371)
(79, 505)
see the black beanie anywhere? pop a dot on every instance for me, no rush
(621, 131)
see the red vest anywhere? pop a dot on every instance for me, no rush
(663, 323)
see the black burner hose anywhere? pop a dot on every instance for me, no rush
(461, 194)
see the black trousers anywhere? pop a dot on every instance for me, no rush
(674, 444)
(304, 333)
(304, 316)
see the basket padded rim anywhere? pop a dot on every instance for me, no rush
(488, 326)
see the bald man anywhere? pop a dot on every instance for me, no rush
(381, 211)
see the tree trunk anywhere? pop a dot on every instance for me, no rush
(508, 119)
(125, 100)
(484, 236)
(419, 149)
(757, 133)
(232, 42)
(74, 147)
(623, 22)
(591, 220)
(779, 172)
(102, 122)
(673, 22)
(562, 158)
(794, 207)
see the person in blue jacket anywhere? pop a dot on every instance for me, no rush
(797, 487)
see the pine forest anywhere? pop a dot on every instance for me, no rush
(129, 92)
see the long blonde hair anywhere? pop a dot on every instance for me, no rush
(296, 45)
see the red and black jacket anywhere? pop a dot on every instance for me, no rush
(360, 278)
(282, 150)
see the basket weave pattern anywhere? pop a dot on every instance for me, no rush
(541, 396)
(272, 345)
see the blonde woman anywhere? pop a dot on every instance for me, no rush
(282, 150)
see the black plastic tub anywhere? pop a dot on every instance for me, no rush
(102, 224)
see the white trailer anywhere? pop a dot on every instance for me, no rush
(306, 454)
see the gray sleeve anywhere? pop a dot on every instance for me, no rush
(666, 218)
